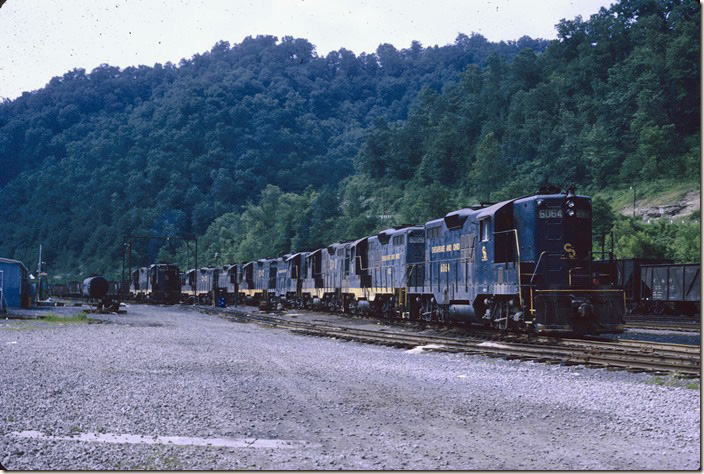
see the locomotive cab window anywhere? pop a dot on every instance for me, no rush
(398, 240)
(484, 229)
(433, 233)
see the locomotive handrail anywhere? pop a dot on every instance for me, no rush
(517, 262)
(569, 274)
(587, 261)
(409, 270)
(537, 265)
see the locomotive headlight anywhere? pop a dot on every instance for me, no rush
(570, 204)
(570, 212)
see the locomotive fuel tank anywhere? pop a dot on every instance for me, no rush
(460, 312)
(364, 306)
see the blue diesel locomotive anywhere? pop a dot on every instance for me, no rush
(158, 283)
(523, 264)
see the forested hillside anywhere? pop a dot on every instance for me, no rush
(266, 147)
(612, 103)
(167, 149)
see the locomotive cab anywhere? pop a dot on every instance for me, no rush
(359, 264)
(164, 283)
(562, 288)
(296, 264)
(556, 238)
(294, 274)
(246, 291)
(188, 286)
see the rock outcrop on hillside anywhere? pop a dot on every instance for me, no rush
(684, 207)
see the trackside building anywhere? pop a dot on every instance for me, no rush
(14, 279)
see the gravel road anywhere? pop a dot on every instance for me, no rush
(172, 388)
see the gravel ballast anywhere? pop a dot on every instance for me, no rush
(172, 388)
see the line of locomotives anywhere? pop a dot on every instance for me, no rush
(464, 267)
(523, 264)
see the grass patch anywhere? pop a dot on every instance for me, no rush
(675, 380)
(55, 318)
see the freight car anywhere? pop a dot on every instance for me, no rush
(625, 273)
(58, 290)
(115, 289)
(638, 276)
(95, 287)
(521, 264)
(75, 289)
(671, 288)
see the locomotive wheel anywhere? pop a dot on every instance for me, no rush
(440, 316)
(389, 310)
(427, 311)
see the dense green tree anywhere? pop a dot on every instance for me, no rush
(603, 216)
(661, 239)
(601, 107)
(488, 169)
(117, 149)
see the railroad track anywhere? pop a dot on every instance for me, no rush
(660, 323)
(664, 327)
(637, 356)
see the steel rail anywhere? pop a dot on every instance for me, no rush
(631, 355)
(665, 327)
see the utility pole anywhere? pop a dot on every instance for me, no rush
(195, 296)
(39, 295)
(122, 281)
(634, 200)
(2, 292)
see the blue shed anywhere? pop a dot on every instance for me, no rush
(15, 283)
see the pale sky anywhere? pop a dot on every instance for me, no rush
(40, 39)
